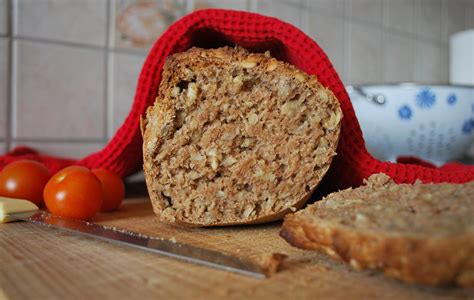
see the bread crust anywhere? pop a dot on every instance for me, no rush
(162, 116)
(415, 258)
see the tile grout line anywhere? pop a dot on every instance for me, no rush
(398, 32)
(444, 19)
(107, 101)
(383, 46)
(59, 140)
(346, 40)
(467, 14)
(129, 51)
(346, 53)
(304, 16)
(77, 45)
(415, 48)
(445, 29)
(110, 69)
(413, 53)
(11, 76)
(385, 39)
(56, 42)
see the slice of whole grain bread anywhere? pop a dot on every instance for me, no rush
(236, 138)
(420, 233)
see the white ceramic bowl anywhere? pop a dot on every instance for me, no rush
(432, 122)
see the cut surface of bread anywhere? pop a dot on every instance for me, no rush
(420, 233)
(236, 137)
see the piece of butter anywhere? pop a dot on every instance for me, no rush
(11, 206)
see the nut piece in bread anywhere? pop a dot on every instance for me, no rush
(236, 138)
(420, 233)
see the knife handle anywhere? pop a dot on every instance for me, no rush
(12, 206)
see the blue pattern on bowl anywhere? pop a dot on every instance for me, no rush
(434, 122)
(452, 99)
(468, 126)
(425, 98)
(405, 112)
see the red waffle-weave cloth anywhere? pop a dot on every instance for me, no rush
(214, 28)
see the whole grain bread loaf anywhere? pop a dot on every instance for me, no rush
(421, 233)
(236, 138)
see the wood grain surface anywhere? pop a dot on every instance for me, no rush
(43, 263)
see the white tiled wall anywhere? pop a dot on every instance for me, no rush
(399, 15)
(126, 69)
(469, 16)
(290, 11)
(399, 48)
(329, 32)
(428, 19)
(364, 54)
(68, 68)
(59, 92)
(333, 7)
(366, 11)
(77, 21)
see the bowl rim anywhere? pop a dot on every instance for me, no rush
(411, 84)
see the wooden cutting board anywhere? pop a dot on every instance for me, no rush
(38, 262)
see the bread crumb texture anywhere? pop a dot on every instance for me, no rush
(419, 233)
(272, 263)
(236, 137)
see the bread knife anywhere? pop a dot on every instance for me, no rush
(166, 247)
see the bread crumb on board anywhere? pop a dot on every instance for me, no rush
(271, 263)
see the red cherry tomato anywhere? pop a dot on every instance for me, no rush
(113, 188)
(24, 179)
(74, 192)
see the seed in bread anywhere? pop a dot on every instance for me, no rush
(421, 233)
(236, 137)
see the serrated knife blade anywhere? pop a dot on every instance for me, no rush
(181, 251)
